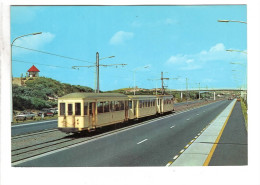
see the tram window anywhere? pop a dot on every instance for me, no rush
(77, 108)
(117, 106)
(122, 105)
(85, 108)
(100, 107)
(62, 109)
(106, 106)
(111, 107)
(90, 108)
(130, 104)
(140, 104)
(70, 112)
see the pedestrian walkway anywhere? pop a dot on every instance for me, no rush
(201, 150)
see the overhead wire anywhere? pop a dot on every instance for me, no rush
(40, 64)
(48, 53)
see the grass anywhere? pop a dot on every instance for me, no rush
(244, 110)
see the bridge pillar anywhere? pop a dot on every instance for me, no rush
(181, 95)
(214, 96)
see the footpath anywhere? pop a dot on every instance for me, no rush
(222, 143)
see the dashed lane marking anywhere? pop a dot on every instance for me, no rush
(172, 126)
(142, 141)
(175, 157)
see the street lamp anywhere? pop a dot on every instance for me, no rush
(11, 68)
(232, 21)
(134, 75)
(232, 50)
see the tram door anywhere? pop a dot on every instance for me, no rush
(70, 117)
(161, 105)
(92, 114)
(126, 110)
(135, 107)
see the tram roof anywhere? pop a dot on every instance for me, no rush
(92, 95)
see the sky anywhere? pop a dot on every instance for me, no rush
(183, 42)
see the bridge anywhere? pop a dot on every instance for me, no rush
(243, 92)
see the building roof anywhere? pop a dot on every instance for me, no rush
(33, 69)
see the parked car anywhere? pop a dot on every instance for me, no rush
(54, 110)
(24, 116)
(42, 112)
(49, 113)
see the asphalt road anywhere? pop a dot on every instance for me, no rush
(33, 127)
(152, 144)
(232, 149)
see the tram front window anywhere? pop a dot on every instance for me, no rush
(77, 109)
(70, 109)
(62, 109)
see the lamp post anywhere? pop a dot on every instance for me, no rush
(233, 50)
(134, 75)
(11, 68)
(232, 21)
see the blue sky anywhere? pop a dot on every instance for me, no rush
(181, 41)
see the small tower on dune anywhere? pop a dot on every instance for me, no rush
(33, 72)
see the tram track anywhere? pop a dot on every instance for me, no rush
(30, 151)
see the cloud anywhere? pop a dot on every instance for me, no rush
(121, 37)
(33, 42)
(216, 53)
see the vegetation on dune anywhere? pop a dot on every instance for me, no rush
(244, 110)
(42, 92)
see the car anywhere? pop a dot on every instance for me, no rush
(54, 110)
(24, 116)
(49, 113)
(42, 112)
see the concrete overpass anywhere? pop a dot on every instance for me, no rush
(243, 92)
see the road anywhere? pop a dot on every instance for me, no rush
(232, 148)
(151, 144)
(33, 127)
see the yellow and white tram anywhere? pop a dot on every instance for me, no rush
(88, 111)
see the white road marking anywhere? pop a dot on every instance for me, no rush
(172, 126)
(188, 119)
(142, 141)
(175, 157)
(182, 151)
(168, 164)
(198, 114)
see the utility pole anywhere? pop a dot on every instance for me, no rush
(199, 90)
(97, 68)
(162, 82)
(187, 91)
